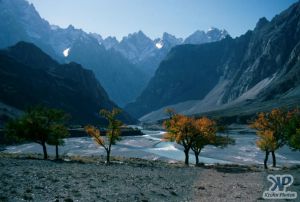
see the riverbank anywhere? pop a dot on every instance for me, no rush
(26, 177)
(151, 147)
(78, 132)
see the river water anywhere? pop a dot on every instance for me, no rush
(150, 146)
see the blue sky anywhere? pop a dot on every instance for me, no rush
(153, 17)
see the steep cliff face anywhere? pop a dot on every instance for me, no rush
(33, 78)
(262, 64)
(273, 52)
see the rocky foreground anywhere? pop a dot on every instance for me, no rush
(88, 179)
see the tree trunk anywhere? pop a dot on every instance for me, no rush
(45, 151)
(56, 151)
(266, 160)
(108, 156)
(274, 158)
(186, 162)
(197, 157)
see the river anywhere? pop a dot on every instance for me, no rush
(150, 146)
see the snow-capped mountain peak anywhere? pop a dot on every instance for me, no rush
(211, 35)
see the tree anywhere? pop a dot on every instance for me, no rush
(112, 134)
(271, 130)
(223, 128)
(57, 138)
(293, 131)
(180, 129)
(170, 112)
(204, 134)
(40, 125)
(58, 130)
(223, 141)
(193, 133)
(294, 141)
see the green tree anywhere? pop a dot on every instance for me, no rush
(293, 130)
(112, 134)
(39, 125)
(58, 129)
(223, 141)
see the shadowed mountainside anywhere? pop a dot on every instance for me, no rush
(30, 77)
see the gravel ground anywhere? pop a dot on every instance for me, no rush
(32, 179)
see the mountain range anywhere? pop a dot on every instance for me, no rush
(209, 72)
(147, 53)
(123, 68)
(256, 71)
(30, 77)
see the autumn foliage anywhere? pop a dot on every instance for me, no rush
(191, 133)
(271, 129)
(112, 133)
(95, 133)
(267, 141)
(205, 134)
(180, 129)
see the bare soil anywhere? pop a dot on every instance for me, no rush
(90, 179)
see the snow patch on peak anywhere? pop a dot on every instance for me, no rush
(66, 52)
(159, 44)
(211, 29)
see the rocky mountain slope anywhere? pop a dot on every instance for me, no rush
(259, 66)
(211, 35)
(121, 79)
(30, 77)
(19, 21)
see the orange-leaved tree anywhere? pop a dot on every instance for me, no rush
(180, 129)
(112, 133)
(271, 127)
(193, 133)
(204, 134)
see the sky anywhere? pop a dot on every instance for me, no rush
(178, 17)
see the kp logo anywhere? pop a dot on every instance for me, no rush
(278, 188)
